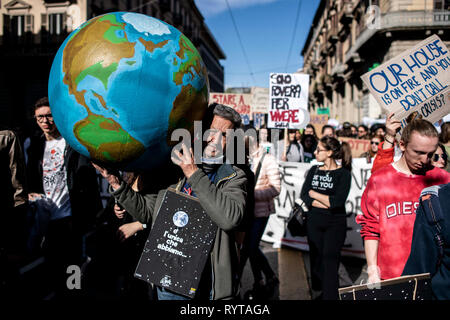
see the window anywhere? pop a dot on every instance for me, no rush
(54, 23)
(441, 5)
(17, 25)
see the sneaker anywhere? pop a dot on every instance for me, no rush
(272, 282)
(271, 286)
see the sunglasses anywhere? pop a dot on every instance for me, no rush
(374, 142)
(437, 156)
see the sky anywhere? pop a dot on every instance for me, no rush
(266, 29)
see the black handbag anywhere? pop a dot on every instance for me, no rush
(297, 220)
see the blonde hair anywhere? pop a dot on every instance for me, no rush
(422, 127)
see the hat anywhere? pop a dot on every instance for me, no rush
(228, 113)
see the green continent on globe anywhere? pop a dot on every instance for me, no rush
(96, 50)
(78, 62)
(188, 50)
(100, 145)
(181, 117)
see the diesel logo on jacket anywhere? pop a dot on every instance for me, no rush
(401, 208)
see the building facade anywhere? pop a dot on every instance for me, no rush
(350, 37)
(31, 32)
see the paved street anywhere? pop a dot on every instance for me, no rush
(293, 269)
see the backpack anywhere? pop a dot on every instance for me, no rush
(430, 205)
(430, 245)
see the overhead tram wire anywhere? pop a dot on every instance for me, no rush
(262, 71)
(240, 41)
(142, 5)
(293, 34)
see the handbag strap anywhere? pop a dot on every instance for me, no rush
(258, 169)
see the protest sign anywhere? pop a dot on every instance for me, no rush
(288, 106)
(318, 121)
(178, 245)
(293, 175)
(260, 99)
(241, 102)
(357, 146)
(413, 287)
(414, 82)
(258, 120)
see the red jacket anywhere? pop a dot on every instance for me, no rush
(383, 157)
(389, 204)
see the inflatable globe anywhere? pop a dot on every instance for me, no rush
(121, 83)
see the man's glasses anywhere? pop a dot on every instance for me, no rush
(41, 117)
(437, 156)
(320, 150)
(374, 142)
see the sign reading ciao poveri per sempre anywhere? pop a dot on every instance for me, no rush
(288, 107)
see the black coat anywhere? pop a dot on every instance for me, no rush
(82, 182)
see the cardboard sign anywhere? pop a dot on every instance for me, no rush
(288, 100)
(414, 287)
(416, 81)
(318, 121)
(260, 99)
(357, 146)
(178, 245)
(241, 102)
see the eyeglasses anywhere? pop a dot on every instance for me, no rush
(437, 156)
(361, 131)
(374, 142)
(41, 117)
(320, 150)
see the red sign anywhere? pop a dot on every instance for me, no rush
(238, 101)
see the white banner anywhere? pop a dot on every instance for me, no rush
(293, 175)
(288, 100)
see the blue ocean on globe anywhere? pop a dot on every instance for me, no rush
(121, 83)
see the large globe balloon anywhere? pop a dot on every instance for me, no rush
(121, 83)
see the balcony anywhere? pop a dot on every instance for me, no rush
(323, 49)
(441, 16)
(400, 20)
(346, 15)
(338, 71)
(333, 36)
(315, 65)
(331, 48)
(328, 81)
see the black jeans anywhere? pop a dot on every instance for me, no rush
(62, 248)
(251, 250)
(326, 236)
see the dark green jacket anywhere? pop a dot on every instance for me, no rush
(224, 202)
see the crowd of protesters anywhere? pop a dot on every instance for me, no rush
(54, 209)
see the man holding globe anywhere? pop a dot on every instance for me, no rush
(221, 190)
